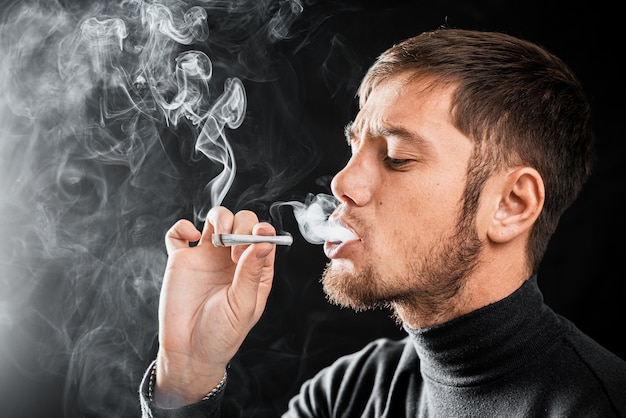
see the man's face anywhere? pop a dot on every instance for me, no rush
(401, 194)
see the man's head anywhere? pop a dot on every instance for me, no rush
(440, 115)
(520, 104)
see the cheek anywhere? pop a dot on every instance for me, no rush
(417, 207)
(443, 199)
(418, 221)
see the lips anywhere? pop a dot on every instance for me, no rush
(339, 238)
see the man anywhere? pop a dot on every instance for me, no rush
(467, 148)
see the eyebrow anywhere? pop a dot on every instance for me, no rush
(348, 132)
(396, 132)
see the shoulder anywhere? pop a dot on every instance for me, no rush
(380, 358)
(359, 382)
(606, 367)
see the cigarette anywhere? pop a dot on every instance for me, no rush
(228, 240)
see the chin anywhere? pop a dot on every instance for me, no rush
(351, 289)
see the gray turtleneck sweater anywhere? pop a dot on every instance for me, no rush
(513, 358)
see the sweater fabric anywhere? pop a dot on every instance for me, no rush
(513, 358)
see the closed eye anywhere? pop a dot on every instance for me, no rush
(396, 163)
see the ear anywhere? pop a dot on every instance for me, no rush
(521, 199)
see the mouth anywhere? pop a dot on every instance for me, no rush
(338, 238)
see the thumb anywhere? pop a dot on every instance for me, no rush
(253, 280)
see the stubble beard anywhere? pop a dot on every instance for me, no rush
(430, 283)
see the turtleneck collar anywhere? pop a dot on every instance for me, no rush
(489, 342)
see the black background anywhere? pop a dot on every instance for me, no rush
(312, 97)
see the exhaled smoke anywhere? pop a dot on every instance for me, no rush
(105, 109)
(313, 219)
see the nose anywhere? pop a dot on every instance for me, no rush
(354, 184)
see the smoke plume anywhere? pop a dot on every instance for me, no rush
(116, 119)
(313, 215)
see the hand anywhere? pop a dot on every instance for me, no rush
(210, 299)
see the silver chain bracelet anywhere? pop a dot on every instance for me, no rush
(213, 391)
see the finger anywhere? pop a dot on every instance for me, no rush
(243, 223)
(263, 228)
(254, 275)
(260, 249)
(180, 235)
(219, 220)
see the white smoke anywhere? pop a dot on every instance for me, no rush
(105, 110)
(313, 219)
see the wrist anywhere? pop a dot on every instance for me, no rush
(172, 386)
